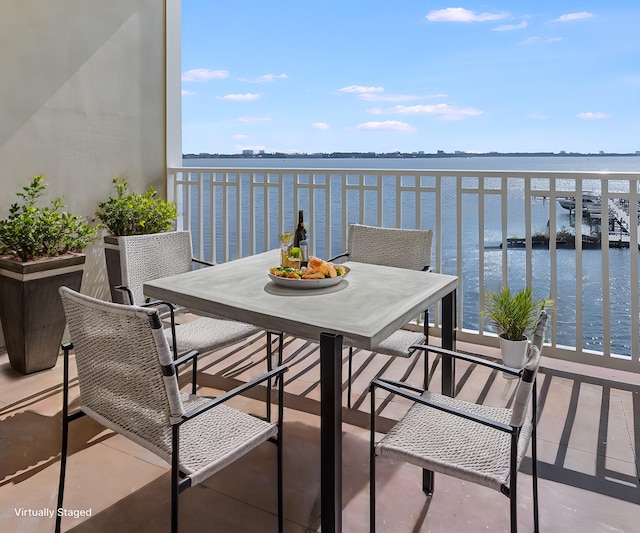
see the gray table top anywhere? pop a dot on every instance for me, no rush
(366, 307)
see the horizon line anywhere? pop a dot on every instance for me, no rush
(250, 154)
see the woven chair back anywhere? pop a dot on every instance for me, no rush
(538, 334)
(525, 387)
(120, 353)
(403, 248)
(147, 257)
(527, 382)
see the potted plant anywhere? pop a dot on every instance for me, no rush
(130, 213)
(515, 315)
(40, 250)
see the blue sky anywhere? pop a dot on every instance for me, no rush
(409, 75)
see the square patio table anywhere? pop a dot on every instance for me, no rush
(367, 306)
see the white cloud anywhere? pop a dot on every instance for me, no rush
(204, 74)
(358, 89)
(387, 125)
(441, 111)
(569, 17)
(459, 14)
(509, 27)
(265, 78)
(536, 115)
(253, 119)
(532, 40)
(375, 111)
(377, 97)
(375, 94)
(320, 126)
(592, 115)
(188, 93)
(240, 97)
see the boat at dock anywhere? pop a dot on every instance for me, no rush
(589, 199)
(594, 210)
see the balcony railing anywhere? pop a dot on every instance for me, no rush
(491, 228)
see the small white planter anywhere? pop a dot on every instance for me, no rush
(514, 354)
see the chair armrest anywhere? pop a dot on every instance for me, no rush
(343, 254)
(384, 383)
(466, 357)
(202, 262)
(150, 303)
(188, 356)
(172, 314)
(278, 371)
(127, 291)
(394, 388)
(159, 303)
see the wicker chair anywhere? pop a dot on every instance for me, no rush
(148, 257)
(128, 383)
(476, 443)
(403, 248)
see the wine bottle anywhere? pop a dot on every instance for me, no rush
(300, 233)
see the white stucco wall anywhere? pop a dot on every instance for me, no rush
(82, 100)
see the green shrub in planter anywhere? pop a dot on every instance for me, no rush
(135, 214)
(40, 250)
(31, 232)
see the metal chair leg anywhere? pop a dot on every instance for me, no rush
(534, 457)
(372, 466)
(349, 378)
(280, 445)
(65, 435)
(269, 367)
(426, 353)
(63, 468)
(425, 383)
(513, 505)
(275, 382)
(194, 376)
(513, 486)
(175, 490)
(428, 482)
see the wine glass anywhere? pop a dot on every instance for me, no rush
(285, 244)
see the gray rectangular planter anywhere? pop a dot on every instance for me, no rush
(114, 274)
(31, 310)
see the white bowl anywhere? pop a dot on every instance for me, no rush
(293, 283)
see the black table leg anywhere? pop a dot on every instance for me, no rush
(448, 342)
(331, 432)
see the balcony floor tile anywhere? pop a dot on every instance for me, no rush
(587, 465)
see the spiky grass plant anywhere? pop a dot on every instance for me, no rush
(514, 315)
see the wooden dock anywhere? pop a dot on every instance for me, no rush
(623, 219)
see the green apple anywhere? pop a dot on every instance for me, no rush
(295, 252)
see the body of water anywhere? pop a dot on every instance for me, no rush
(524, 163)
(592, 298)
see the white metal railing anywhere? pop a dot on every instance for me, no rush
(491, 228)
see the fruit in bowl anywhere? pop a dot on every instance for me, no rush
(317, 269)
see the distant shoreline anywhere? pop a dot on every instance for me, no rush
(400, 155)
